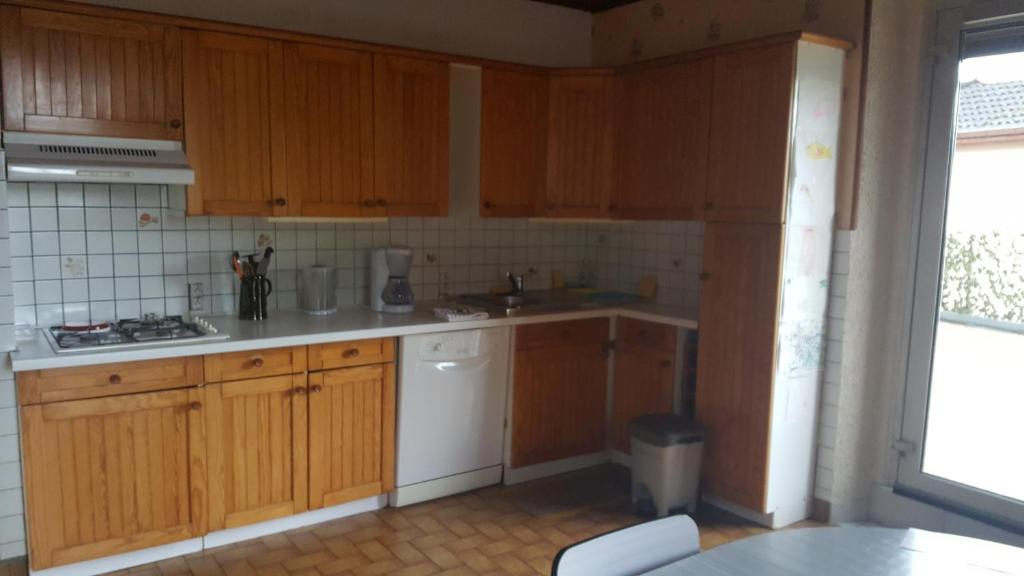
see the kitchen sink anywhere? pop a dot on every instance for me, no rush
(532, 301)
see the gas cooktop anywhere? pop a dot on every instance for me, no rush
(151, 329)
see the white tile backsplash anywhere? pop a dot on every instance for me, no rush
(102, 250)
(829, 404)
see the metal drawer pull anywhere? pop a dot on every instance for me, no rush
(316, 388)
(300, 390)
(257, 363)
(350, 353)
(195, 405)
(114, 379)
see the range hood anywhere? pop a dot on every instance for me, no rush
(60, 158)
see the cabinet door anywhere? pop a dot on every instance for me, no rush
(750, 119)
(256, 444)
(351, 434)
(410, 132)
(234, 109)
(736, 357)
(580, 146)
(662, 149)
(644, 384)
(559, 402)
(110, 475)
(513, 142)
(329, 130)
(72, 74)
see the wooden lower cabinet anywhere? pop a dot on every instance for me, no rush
(110, 475)
(738, 310)
(559, 394)
(256, 442)
(644, 384)
(351, 434)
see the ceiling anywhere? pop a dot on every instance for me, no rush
(589, 5)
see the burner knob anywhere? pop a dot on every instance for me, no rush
(114, 379)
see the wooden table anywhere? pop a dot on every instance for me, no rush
(852, 551)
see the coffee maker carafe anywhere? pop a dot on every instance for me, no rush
(390, 290)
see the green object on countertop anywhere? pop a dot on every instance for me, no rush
(612, 297)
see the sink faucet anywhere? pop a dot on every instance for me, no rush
(517, 281)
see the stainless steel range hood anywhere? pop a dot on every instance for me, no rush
(60, 158)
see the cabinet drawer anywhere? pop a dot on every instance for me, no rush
(80, 382)
(255, 363)
(354, 353)
(568, 333)
(647, 334)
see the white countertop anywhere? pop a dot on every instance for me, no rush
(292, 328)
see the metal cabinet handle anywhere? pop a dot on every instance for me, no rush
(256, 363)
(299, 390)
(280, 202)
(316, 388)
(350, 353)
(195, 405)
(114, 379)
(175, 123)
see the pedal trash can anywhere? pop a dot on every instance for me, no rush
(666, 463)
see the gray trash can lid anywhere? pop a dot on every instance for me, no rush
(665, 429)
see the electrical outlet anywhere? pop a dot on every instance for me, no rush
(195, 297)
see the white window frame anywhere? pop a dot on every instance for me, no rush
(952, 27)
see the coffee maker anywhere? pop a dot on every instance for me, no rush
(390, 290)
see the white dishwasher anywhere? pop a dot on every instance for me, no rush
(451, 413)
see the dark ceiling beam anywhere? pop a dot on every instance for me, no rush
(589, 5)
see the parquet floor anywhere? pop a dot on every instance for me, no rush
(496, 530)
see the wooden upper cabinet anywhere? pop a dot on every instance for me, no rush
(736, 357)
(256, 431)
(73, 74)
(662, 145)
(351, 434)
(751, 116)
(580, 146)
(110, 475)
(329, 130)
(234, 115)
(410, 134)
(513, 142)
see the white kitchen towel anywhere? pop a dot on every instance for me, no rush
(460, 314)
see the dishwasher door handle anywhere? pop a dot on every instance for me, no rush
(462, 365)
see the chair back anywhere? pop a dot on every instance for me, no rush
(632, 550)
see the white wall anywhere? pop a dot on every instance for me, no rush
(874, 329)
(512, 30)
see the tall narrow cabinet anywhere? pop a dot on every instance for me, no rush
(767, 252)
